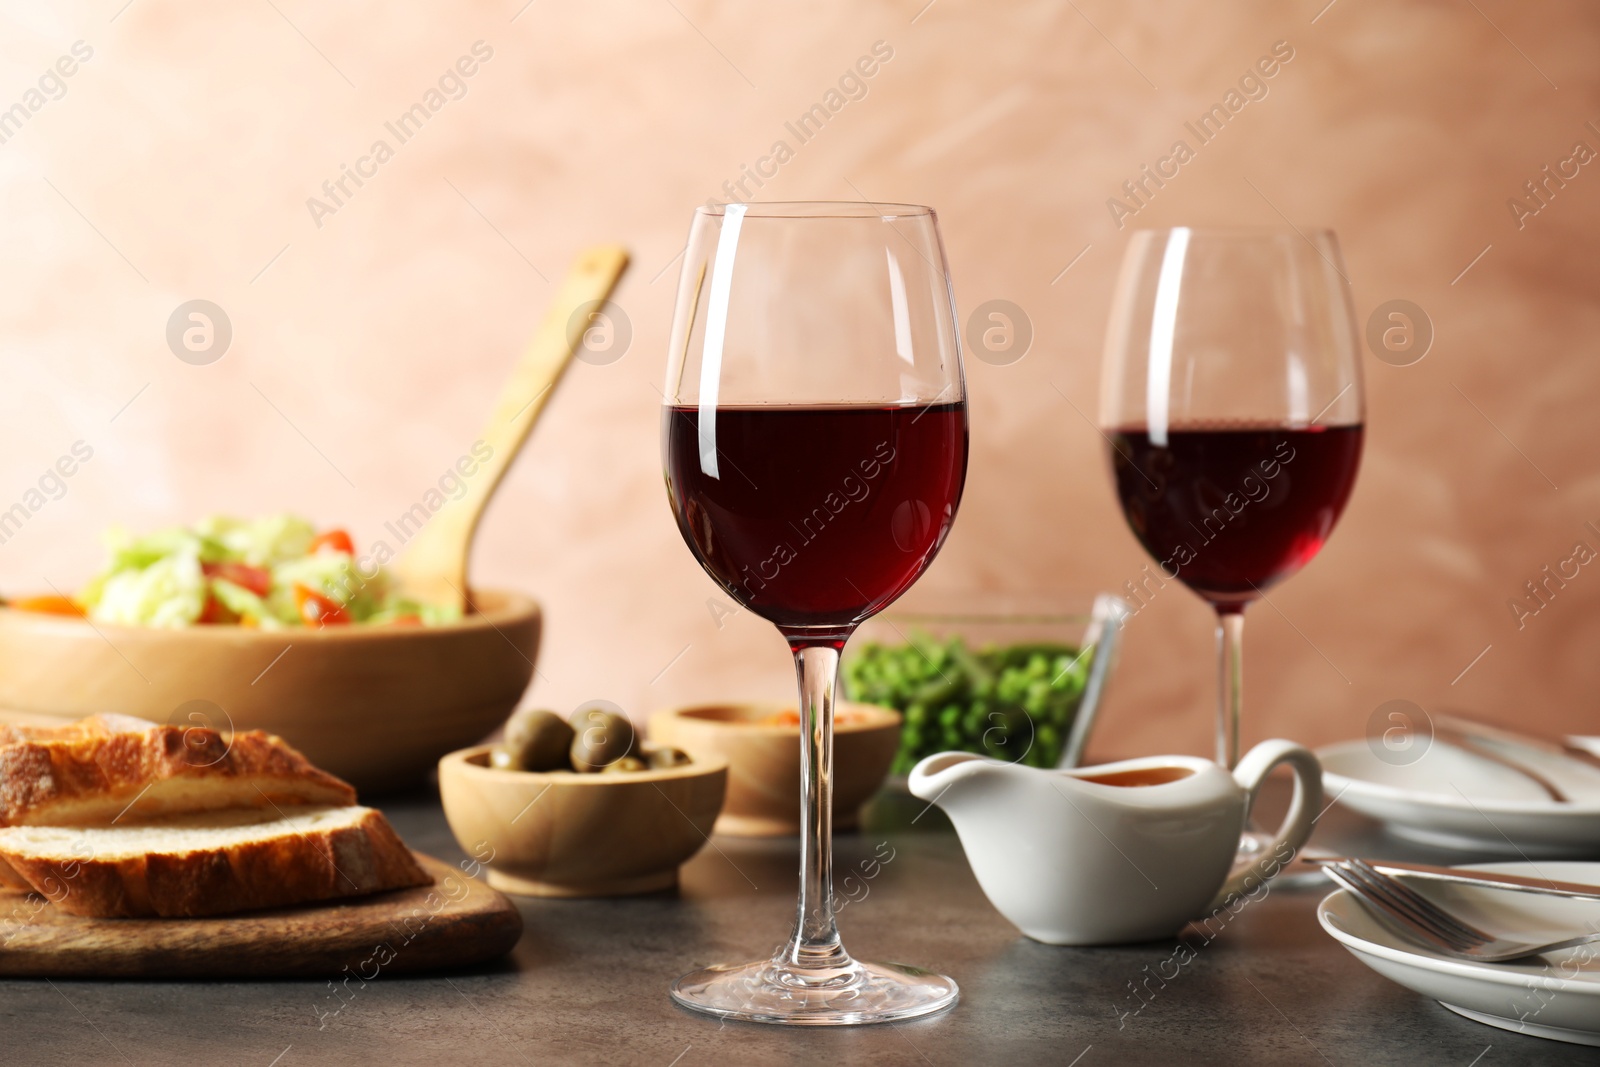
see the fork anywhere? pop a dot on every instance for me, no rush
(1418, 918)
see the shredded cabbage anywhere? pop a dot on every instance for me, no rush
(170, 591)
(258, 542)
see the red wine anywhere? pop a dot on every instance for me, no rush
(816, 516)
(1229, 512)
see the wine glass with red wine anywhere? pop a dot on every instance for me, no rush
(814, 436)
(1231, 399)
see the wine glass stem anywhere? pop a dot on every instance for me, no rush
(1230, 679)
(815, 944)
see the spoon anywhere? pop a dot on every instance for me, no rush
(433, 568)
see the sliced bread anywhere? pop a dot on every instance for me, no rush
(92, 726)
(213, 863)
(96, 776)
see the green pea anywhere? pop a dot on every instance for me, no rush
(988, 698)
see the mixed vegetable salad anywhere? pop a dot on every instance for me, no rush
(270, 573)
(1014, 703)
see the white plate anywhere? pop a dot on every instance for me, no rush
(1555, 996)
(1453, 798)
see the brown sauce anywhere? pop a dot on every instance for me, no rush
(1144, 776)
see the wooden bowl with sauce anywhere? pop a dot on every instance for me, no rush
(761, 743)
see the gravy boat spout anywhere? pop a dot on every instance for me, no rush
(937, 775)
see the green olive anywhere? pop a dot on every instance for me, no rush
(666, 756)
(603, 737)
(538, 740)
(625, 765)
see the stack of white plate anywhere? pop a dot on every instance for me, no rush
(1556, 995)
(1453, 798)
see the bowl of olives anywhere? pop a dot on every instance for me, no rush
(580, 806)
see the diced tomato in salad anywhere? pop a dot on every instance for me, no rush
(318, 610)
(338, 540)
(215, 613)
(256, 579)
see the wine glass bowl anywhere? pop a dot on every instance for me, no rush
(814, 440)
(1232, 510)
(816, 517)
(1243, 326)
(1232, 407)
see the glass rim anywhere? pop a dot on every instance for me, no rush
(768, 405)
(1242, 232)
(985, 618)
(820, 209)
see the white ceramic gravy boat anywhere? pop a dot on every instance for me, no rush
(1123, 852)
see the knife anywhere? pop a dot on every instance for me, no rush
(1454, 732)
(1461, 722)
(1513, 882)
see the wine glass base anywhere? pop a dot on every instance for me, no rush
(1302, 868)
(772, 991)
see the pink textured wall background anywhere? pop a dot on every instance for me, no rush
(178, 162)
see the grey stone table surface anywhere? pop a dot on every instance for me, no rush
(587, 984)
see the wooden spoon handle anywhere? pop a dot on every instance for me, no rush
(433, 567)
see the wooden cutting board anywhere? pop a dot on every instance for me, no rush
(454, 922)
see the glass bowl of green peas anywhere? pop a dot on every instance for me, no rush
(1023, 686)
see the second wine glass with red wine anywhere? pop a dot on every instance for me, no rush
(1231, 400)
(814, 436)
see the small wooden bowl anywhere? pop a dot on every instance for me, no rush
(764, 761)
(563, 834)
(376, 705)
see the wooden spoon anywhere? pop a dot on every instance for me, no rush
(433, 568)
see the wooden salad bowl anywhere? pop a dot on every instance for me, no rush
(375, 705)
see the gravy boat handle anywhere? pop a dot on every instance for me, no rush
(1297, 824)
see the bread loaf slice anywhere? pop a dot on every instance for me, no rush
(10, 879)
(92, 726)
(98, 774)
(213, 863)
